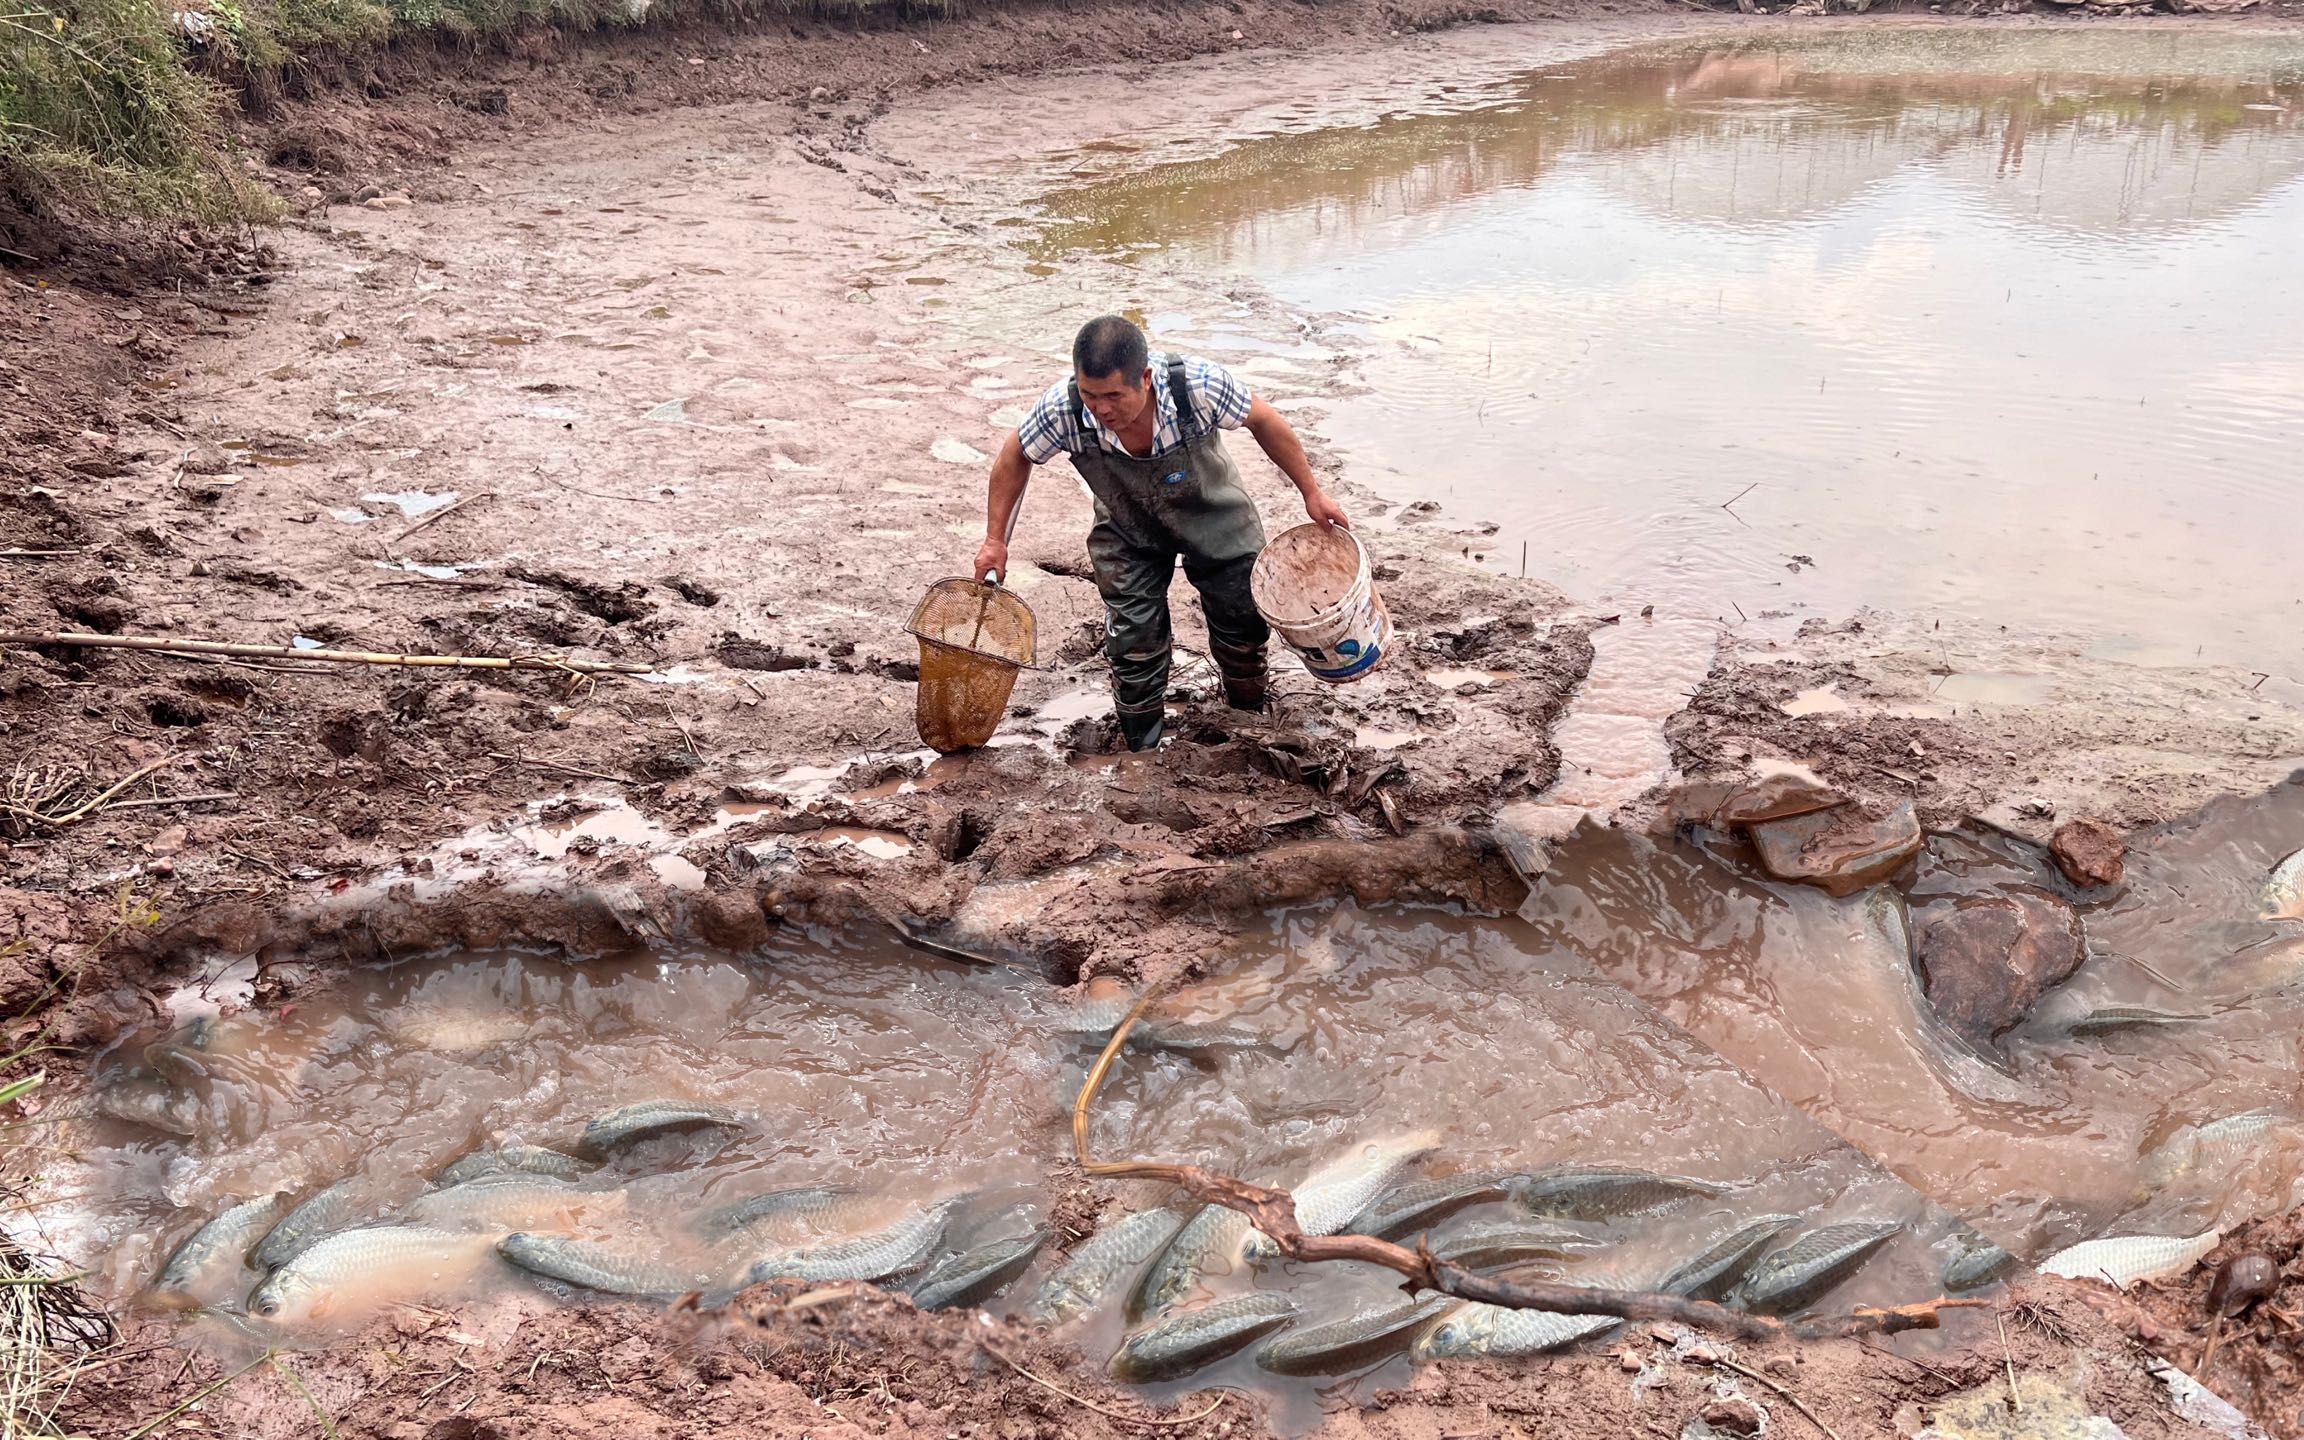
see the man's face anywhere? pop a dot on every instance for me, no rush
(1116, 400)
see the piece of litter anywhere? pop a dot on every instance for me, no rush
(671, 412)
(954, 452)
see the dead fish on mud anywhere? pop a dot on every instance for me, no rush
(1508, 1244)
(1329, 1197)
(2284, 890)
(1419, 1204)
(1804, 1271)
(604, 1268)
(971, 1276)
(199, 1271)
(1190, 1339)
(630, 1124)
(1498, 1331)
(2217, 1149)
(1713, 1273)
(521, 1159)
(1348, 1344)
(324, 1213)
(2122, 1260)
(1102, 1259)
(895, 1250)
(1579, 1192)
(353, 1271)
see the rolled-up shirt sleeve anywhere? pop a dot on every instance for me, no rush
(1052, 429)
(1226, 396)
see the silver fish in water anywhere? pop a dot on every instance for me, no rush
(1507, 1244)
(1711, 1274)
(1419, 1204)
(1580, 1192)
(607, 1269)
(198, 1270)
(1099, 1263)
(1975, 1262)
(971, 1276)
(895, 1250)
(1805, 1270)
(2122, 1260)
(1328, 1198)
(1183, 1342)
(512, 1159)
(783, 1215)
(629, 1124)
(155, 1104)
(352, 1271)
(1498, 1331)
(504, 1203)
(1211, 1236)
(2106, 1019)
(330, 1210)
(2215, 1150)
(1348, 1344)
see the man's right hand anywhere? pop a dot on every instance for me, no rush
(992, 558)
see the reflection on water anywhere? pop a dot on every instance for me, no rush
(1996, 320)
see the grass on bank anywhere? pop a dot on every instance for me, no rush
(117, 106)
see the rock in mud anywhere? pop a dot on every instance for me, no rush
(1777, 797)
(2088, 852)
(1841, 850)
(1987, 962)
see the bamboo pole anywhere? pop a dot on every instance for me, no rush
(158, 644)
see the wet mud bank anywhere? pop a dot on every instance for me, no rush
(713, 393)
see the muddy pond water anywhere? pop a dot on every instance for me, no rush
(1653, 1006)
(915, 1079)
(1989, 322)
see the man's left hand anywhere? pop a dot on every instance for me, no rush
(1324, 510)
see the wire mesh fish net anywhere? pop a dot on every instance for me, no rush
(973, 639)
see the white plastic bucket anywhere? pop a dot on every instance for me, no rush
(1312, 585)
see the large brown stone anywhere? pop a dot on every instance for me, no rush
(1842, 849)
(2088, 852)
(1991, 958)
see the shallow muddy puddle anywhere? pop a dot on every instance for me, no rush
(914, 1079)
(1989, 323)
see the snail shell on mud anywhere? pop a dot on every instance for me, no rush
(2240, 1282)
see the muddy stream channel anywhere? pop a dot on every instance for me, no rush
(1930, 303)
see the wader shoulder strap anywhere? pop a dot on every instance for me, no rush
(1187, 418)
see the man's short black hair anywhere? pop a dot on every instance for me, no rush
(1111, 345)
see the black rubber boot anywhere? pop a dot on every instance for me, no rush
(1142, 729)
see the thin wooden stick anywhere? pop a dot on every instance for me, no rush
(439, 515)
(1119, 1415)
(555, 765)
(1750, 1374)
(153, 800)
(161, 645)
(13, 554)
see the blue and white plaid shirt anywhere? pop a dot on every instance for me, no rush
(1055, 428)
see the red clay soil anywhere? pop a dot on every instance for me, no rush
(860, 1362)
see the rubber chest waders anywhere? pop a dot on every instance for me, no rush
(1183, 501)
